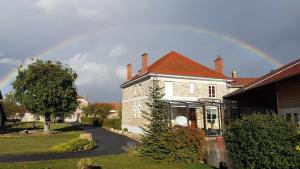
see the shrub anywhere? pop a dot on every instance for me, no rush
(85, 163)
(92, 121)
(75, 145)
(262, 141)
(112, 123)
(186, 145)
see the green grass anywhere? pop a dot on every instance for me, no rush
(123, 161)
(29, 144)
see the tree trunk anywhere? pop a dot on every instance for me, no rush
(47, 124)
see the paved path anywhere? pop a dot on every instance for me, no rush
(108, 144)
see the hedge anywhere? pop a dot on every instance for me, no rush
(92, 121)
(262, 141)
(112, 123)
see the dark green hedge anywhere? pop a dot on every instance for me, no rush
(112, 123)
(92, 121)
(262, 141)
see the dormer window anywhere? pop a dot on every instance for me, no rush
(212, 91)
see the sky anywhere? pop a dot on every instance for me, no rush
(98, 38)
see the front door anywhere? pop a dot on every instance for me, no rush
(192, 117)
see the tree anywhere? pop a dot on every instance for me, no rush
(153, 142)
(262, 141)
(97, 110)
(2, 115)
(13, 110)
(47, 89)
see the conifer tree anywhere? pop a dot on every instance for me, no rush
(153, 142)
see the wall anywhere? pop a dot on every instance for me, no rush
(289, 98)
(136, 94)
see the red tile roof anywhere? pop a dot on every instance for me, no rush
(114, 106)
(290, 70)
(241, 82)
(174, 63)
(287, 71)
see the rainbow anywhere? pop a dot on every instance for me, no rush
(257, 52)
(13, 73)
(225, 38)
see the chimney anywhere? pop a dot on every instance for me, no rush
(129, 71)
(219, 65)
(234, 74)
(144, 63)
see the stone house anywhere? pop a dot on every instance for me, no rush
(193, 92)
(277, 91)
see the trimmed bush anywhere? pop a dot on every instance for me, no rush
(85, 163)
(186, 145)
(75, 145)
(92, 121)
(262, 141)
(112, 123)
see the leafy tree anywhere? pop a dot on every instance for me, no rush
(46, 88)
(2, 115)
(97, 110)
(262, 141)
(13, 110)
(153, 142)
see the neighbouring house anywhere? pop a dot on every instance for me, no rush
(193, 92)
(76, 116)
(277, 91)
(115, 108)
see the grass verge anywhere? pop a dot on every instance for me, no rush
(123, 161)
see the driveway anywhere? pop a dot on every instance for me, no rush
(108, 143)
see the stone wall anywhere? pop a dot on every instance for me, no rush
(135, 96)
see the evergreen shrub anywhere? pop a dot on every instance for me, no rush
(262, 141)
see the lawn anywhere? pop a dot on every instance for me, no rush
(39, 143)
(124, 161)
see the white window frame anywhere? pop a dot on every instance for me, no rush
(210, 91)
(192, 88)
(169, 92)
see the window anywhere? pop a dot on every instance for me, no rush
(288, 116)
(192, 88)
(168, 89)
(134, 90)
(212, 91)
(296, 118)
(211, 114)
(137, 109)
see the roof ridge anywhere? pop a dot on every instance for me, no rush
(188, 59)
(272, 73)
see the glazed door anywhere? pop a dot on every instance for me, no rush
(192, 117)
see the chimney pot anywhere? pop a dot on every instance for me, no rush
(129, 71)
(234, 74)
(219, 65)
(144, 63)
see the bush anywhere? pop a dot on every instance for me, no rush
(179, 145)
(112, 123)
(186, 145)
(262, 141)
(92, 121)
(75, 145)
(85, 163)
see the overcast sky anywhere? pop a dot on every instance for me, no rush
(98, 38)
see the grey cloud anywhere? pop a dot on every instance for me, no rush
(117, 32)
